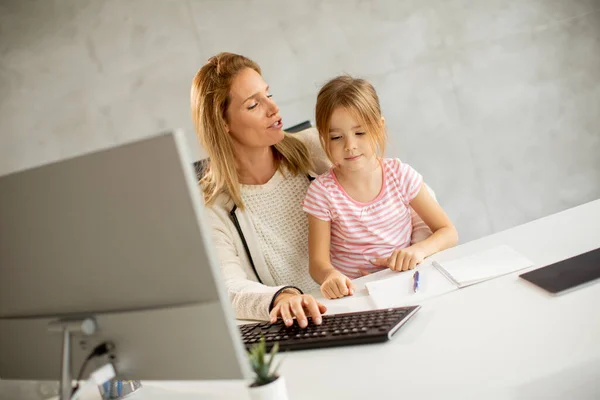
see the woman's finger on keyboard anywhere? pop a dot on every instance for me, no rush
(286, 314)
(298, 311)
(313, 308)
(322, 307)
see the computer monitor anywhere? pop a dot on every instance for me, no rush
(118, 235)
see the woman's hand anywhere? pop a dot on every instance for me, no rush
(337, 285)
(403, 259)
(290, 305)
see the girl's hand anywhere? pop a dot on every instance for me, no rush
(403, 259)
(337, 285)
(290, 305)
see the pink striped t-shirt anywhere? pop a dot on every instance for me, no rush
(363, 231)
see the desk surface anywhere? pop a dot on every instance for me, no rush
(503, 338)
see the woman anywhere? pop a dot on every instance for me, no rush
(253, 189)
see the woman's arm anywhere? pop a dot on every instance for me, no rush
(251, 299)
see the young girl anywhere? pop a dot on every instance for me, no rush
(358, 211)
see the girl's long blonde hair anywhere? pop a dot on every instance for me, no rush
(209, 102)
(360, 99)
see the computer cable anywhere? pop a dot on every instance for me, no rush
(100, 350)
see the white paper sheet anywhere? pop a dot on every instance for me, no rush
(484, 265)
(397, 291)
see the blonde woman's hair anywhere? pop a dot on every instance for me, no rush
(359, 98)
(210, 98)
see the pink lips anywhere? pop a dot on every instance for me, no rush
(277, 125)
(352, 158)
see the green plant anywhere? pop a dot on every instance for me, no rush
(264, 369)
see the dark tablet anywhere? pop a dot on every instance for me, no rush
(566, 274)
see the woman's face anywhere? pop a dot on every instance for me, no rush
(253, 119)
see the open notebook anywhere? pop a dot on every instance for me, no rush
(438, 278)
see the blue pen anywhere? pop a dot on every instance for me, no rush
(416, 277)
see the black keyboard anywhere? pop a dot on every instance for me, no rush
(362, 327)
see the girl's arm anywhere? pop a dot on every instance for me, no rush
(319, 239)
(444, 233)
(420, 230)
(333, 283)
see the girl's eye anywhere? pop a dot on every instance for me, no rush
(253, 106)
(360, 133)
(269, 96)
(335, 137)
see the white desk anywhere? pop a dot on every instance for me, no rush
(499, 339)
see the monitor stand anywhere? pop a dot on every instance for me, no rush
(68, 327)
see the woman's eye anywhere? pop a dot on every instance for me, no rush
(335, 137)
(360, 133)
(269, 96)
(253, 106)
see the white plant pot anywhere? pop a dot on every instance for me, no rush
(275, 390)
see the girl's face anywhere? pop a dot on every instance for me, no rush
(348, 142)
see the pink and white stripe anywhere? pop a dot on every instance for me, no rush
(363, 231)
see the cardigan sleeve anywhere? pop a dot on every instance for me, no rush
(249, 298)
